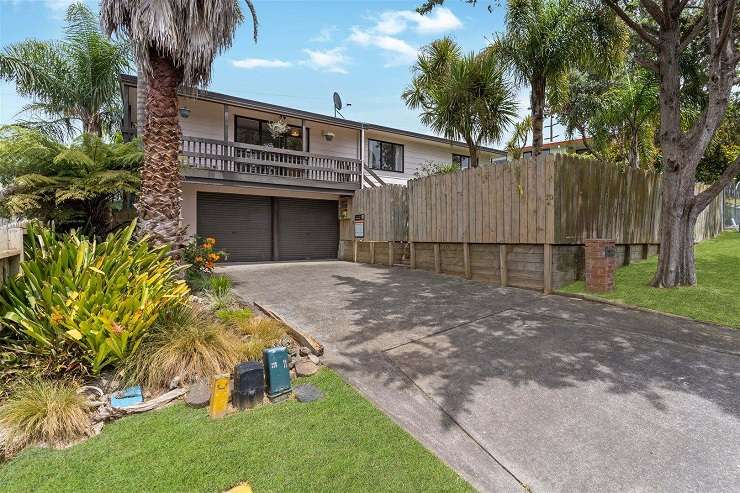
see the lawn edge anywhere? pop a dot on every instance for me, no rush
(604, 301)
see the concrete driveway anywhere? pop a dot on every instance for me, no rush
(511, 387)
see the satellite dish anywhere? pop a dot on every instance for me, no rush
(337, 105)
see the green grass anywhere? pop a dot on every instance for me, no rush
(715, 298)
(341, 443)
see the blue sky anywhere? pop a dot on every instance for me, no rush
(306, 50)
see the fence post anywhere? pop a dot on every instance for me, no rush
(437, 259)
(547, 284)
(412, 255)
(354, 251)
(502, 255)
(390, 254)
(372, 252)
(466, 260)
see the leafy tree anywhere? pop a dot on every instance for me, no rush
(434, 168)
(72, 185)
(615, 117)
(724, 148)
(70, 82)
(463, 97)
(666, 32)
(174, 43)
(518, 140)
(545, 39)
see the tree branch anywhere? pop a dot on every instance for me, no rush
(693, 33)
(703, 199)
(647, 64)
(635, 26)
(726, 26)
(655, 12)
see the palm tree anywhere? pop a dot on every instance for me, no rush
(544, 39)
(73, 185)
(462, 97)
(73, 82)
(174, 43)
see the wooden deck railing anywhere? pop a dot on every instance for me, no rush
(249, 159)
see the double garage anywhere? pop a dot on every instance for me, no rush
(257, 228)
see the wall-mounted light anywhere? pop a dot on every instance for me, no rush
(295, 132)
(328, 136)
(184, 111)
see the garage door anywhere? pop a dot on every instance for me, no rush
(307, 229)
(241, 224)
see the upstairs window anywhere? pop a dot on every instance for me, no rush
(460, 160)
(385, 156)
(255, 132)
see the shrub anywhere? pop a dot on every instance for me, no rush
(202, 255)
(251, 350)
(218, 292)
(186, 343)
(83, 303)
(43, 411)
(234, 317)
(268, 330)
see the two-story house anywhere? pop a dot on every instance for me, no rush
(266, 197)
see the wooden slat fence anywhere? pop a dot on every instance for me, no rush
(11, 249)
(386, 212)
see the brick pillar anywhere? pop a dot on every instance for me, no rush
(600, 265)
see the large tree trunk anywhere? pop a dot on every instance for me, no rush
(474, 155)
(142, 86)
(161, 194)
(537, 101)
(677, 220)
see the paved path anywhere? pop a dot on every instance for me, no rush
(512, 387)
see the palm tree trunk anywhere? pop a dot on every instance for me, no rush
(474, 155)
(142, 86)
(633, 153)
(537, 101)
(161, 194)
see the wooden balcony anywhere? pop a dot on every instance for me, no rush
(234, 161)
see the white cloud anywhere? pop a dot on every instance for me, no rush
(252, 63)
(440, 20)
(399, 51)
(333, 60)
(325, 34)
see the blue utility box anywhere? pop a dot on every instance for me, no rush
(277, 373)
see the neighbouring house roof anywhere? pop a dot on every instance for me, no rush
(559, 143)
(130, 80)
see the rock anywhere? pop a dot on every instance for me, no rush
(293, 374)
(306, 368)
(304, 351)
(308, 393)
(291, 363)
(199, 394)
(314, 359)
(174, 383)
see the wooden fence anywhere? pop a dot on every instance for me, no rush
(11, 249)
(519, 223)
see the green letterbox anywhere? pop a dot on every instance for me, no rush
(277, 373)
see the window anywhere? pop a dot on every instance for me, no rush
(460, 160)
(385, 156)
(255, 132)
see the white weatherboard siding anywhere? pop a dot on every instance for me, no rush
(206, 120)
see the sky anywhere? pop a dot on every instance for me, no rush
(306, 50)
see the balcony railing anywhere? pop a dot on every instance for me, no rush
(271, 164)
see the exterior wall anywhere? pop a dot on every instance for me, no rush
(416, 152)
(190, 203)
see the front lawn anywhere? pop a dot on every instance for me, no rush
(341, 443)
(716, 298)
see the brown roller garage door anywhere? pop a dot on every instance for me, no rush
(307, 229)
(241, 224)
(254, 228)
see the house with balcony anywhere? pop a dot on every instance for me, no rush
(278, 198)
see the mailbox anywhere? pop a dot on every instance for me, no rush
(249, 385)
(277, 372)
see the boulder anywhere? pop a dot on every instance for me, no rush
(306, 368)
(314, 359)
(199, 394)
(308, 393)
(304, 351)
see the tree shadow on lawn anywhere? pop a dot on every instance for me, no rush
(486, 336)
